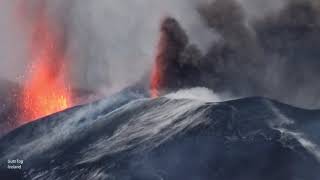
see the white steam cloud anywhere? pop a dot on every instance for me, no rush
(198, 93)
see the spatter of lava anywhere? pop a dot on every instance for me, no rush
(166, 75)
(156, 80)
(45, 89)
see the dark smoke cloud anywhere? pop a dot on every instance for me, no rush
(175, 63)
(273, 55)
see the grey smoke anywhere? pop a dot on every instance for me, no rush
(260, 8)
(12, 46)
(275, 55)
(117, 39)
(110, 43)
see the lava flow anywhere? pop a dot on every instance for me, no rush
(45, 89)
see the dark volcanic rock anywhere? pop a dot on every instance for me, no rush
(128, 137)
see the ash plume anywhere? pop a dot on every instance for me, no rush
(176, 60)
(274, 55)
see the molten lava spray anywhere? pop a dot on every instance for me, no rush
(170, 45)
(158, 68)
(45, 89)
(155, 81)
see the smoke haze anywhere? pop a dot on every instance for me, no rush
(272, 54)
(109, 44)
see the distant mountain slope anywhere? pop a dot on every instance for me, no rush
(129, 137)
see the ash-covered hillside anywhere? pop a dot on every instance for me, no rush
(131, 137)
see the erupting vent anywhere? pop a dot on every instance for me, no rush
(45, 90)
(155, 81)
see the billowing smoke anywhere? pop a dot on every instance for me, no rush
(115, 40)
(272, 54)
(255, 9)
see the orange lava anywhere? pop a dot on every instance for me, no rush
(43, 94)
(156, 80)
(45, 89)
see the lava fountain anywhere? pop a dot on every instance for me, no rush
(45, 90)
(167, 73)
(156, 80)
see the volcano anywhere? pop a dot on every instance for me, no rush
(173, 127)
(129, 136)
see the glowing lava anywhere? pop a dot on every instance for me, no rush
(167, 73)
(158, 68)
(45, 89)
(155, 81)
(44, 94)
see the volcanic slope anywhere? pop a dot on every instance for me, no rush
(131, 137)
